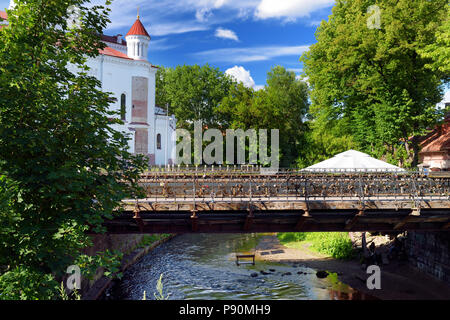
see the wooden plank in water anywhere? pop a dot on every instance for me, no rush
(245, 256)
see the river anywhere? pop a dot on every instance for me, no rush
(203, 266)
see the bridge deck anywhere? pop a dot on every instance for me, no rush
(179, 202)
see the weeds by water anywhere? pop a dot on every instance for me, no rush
(64, 296)
(335, 244)
(152, 238)
(159, 288)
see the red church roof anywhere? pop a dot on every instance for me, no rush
(114, 53)
(138, 29)
(3, 17)
(438, 140)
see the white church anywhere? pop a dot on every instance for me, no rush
(124, 70)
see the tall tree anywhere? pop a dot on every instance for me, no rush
(282, 104)
(371, 80)
(64, 167)
(192, 93)
(439, 50)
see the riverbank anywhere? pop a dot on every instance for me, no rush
(399, 281)
(99, 289)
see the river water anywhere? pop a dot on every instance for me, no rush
(203, 266)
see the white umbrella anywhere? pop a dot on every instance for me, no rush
(353, 160)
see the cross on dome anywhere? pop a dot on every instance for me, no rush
(138, 29)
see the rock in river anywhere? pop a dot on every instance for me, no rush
(253, 275)
(321, 274)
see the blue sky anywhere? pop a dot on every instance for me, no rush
(249, 36)
(246, 36)
(242, 37)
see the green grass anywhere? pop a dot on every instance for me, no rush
(335, 244)
(152, 238)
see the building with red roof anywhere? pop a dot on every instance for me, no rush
(138, 29)
(435, 148)
(123, 69)
(3, 19)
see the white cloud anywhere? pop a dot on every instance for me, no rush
(241, 75)
(203, 14)
(315, 23)
(160, 17)
(219, 3)
(161, 45)
(289, 9)
(181, 16)
(226, 34)
(239, 55)
(162, 29)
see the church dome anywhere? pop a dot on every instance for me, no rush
(138, 29)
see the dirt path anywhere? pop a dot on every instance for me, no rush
(398, 281)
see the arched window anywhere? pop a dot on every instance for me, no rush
(123, 99)
(158, 141)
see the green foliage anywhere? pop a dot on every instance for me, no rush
(192, 93)
(159, 288)
(370, 87)
(438, 51)
(75, 295)
(65, 170)
(324, 140)
(206, 94)
(25, 283)
(282, 104)
(149, 239)
(109, 260)
(335, 244)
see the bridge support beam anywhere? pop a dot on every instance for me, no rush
(414, 213)
(351, 222)
(249, 220)
(137, 218)
(194, 221)
(446, 226)
(303, 219)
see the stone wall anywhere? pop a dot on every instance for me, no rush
(124, 243)
(430, 253)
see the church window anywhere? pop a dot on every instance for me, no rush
(158, 141)
(123, 99)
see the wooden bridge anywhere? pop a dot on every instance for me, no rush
(245, 200)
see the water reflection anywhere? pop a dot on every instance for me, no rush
(202, 266)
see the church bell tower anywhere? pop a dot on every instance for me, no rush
(138, 40)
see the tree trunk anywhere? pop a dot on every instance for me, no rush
(364, 244)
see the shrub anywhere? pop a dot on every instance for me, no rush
(335, 244)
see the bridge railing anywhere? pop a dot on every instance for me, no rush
(258, 169)
(210, 185)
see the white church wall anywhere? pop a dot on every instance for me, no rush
(165, 126)
(116, 76)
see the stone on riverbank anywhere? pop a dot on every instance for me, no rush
(321, 274)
